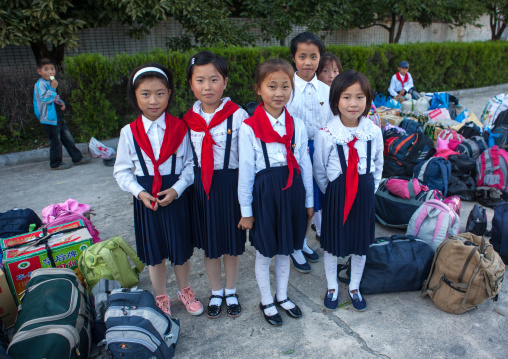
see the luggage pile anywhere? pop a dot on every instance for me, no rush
(73, 290)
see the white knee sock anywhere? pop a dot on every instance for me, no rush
(306, 248)
(298, 256)
(216, 301)
(262, 268)
(231, 300)
(317, 222)
(282, 273)
(331, 273)
(357, 266)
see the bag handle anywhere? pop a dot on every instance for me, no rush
(411, 189)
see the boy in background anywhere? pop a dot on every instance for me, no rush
(48, 108)
(402, 84)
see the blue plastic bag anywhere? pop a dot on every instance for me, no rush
(382, 100)
(439, 100)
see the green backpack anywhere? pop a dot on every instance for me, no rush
(110, 260)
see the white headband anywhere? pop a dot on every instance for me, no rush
(148, 69)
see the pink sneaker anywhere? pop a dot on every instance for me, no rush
(192, 304)
(163, 302)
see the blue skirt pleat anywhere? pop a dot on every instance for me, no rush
(318, 195)
(280, 217)
(355, 236)
(164, 233)
(215, 219)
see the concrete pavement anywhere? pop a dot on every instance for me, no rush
(399, 325)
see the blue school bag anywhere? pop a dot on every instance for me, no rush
(137, 328)
(411, 126)
(435, 173)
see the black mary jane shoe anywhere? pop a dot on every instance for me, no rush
(233, 310)
(293, 312)
(214, 310)
(275, 320)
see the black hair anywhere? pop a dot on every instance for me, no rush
(45, 61)
(342, 82)
(306, 37)
(205, 58)
(133, 85)
(326, 59)
(269, 67)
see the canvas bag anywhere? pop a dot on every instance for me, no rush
(393, 211)
(465, 272)
(110, 260)
(394, 264)
(492, 168)
(54, 319)
(137, 328)
(435, 173)
(433, 222)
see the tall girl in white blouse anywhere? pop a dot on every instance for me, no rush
(348, 163)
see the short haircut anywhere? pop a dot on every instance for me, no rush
(269, 67)
(306, 37)
(205, 58)
(132, 87)
(342, 82)
(44, 61)
(326, 59)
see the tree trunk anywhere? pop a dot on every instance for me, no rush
(391, 29)
(399, 30)
(495, 29)
(283, 42)
(40, 50)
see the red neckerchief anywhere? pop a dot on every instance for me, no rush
(173, 137)
(263, 130)
(351, 178)
(406, 78)
(198, 124)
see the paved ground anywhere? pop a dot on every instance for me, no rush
(401, 325)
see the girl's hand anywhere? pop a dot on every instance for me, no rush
(310, 212)
(147, 200)
(246, 222)
(169, 196)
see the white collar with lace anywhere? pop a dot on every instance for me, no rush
(340, 134)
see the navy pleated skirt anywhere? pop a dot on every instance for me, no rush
(215, 220)
(280, 217)
(318, 195)
(166, 232)
(355, 236)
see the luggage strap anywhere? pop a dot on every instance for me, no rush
(111, 262)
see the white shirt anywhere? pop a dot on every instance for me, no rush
(127, 158)
(396, 85)
(252, 160)
(310, 103)
(219, 135)
(326, 157)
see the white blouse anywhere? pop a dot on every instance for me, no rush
(326, 157)
(310, 103)
(127, 158)
(252, 160)
(219, 135)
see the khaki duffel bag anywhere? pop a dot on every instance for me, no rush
(466, 271)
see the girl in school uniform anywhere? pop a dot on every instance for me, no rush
(214, 123)
(157, 147)
(329, 67)
(348, 162)
(275, 185)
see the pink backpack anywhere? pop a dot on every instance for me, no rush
(492, 168)
(450, 134)
(454, 203)
(69, 211)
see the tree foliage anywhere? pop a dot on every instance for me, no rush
(498, 16)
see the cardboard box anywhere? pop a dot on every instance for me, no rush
(392, 119)
(21, 262)
(6, 243)
(8, 308)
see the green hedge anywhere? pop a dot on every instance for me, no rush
(100, 105)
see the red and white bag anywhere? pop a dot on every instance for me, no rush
(492, 168)
(451, 134)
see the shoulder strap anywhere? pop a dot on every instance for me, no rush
(111, 261)
(228, 142)
(265, 154)
(369, 155)
(194, 156)
(342, 158)
(140, 157)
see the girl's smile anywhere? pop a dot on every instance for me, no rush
(208, 86)
(152, 97)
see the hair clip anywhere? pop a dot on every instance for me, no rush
(192, 61)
